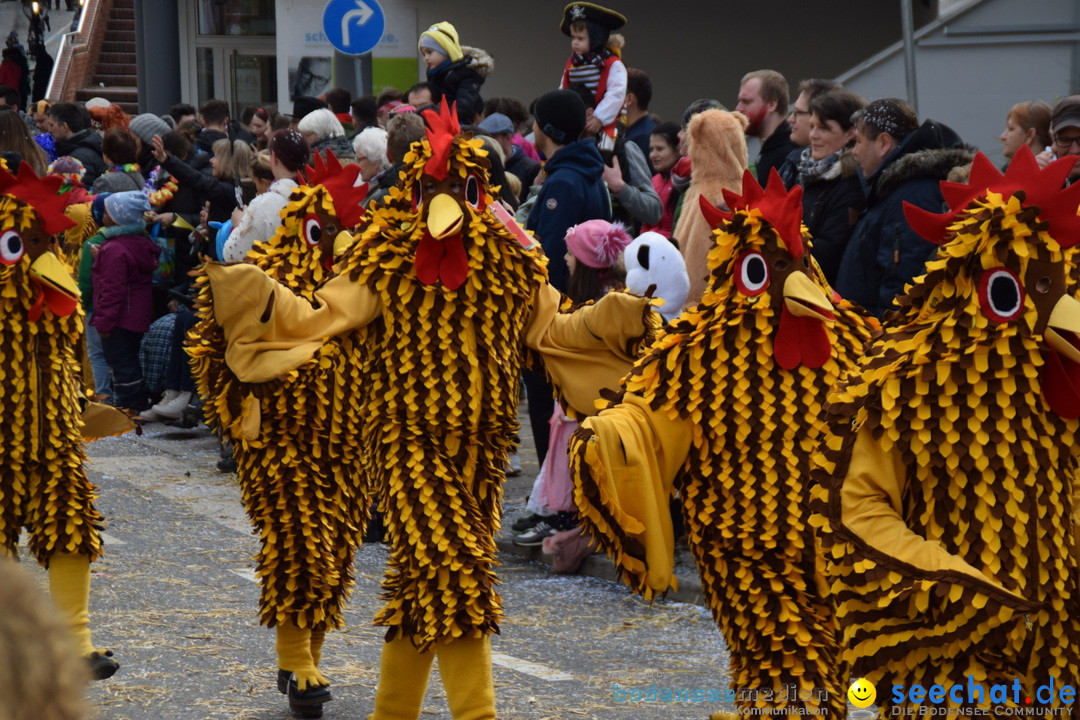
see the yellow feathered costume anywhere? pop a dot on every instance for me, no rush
(43, 484)
(725, 409)
(949, 471)
(446, 298)
(296, 437)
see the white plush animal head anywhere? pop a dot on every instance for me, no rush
(651, 259)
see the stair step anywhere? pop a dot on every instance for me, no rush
(128, 98)
(118, 47)
(124, 59)
(120, 25)
(122, 14)
(120, 36)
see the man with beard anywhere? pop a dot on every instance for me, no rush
(763, 99)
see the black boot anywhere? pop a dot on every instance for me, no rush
(306, 704)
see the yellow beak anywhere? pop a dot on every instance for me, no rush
(50, 271)
(802, 297)
(342, 242)
(444, 216)
(60, 292)
(1063, 328)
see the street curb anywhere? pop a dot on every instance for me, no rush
(600, 566)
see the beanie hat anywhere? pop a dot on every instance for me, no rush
(97, 207)
(560, 114)
(146, 126)
(127, 208)
(597, 243)
(290, 148)
(445, 37)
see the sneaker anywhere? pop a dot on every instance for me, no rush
(174, 408)
(534, 537)
(524, 523)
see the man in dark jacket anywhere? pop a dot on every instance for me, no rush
(903, 162)
(763, 99)
(214, 117)
(71, 129)
(573, 192)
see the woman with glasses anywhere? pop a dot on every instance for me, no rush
(1065, 135)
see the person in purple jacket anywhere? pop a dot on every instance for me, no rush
(121, 276)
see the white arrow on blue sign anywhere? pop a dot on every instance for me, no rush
(353, 26)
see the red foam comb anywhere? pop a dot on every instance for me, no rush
(442, 128)
(40, 194)
(1042, 187)
(342, 182)
(781, 207)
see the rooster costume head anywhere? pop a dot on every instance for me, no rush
(31, 214)
(761, 263)
(447, 178)
(1003, 272)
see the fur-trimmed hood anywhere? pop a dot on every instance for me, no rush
(478, 60)
(929, 152)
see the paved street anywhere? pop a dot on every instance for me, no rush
(12, 19)
(175, 598)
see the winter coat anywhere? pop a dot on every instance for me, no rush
(460, 82)
(774, 151)
(113, 182)
(205, 140)
(121, 278)
(665, 190)
(884, 253)
(572, 193)
(640, 133)
(718, 155)
(831, 205)
(260, 220)
(85, 146)
(379, 186)
(222, 194)
(10, 74)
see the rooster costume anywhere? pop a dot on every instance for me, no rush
(949, 470)
(438, 298)
(43, 484)
(724, 409)
(295, 438)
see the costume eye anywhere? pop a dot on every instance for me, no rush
(1001, 295)
(1043, 284)
(472, 192)
(11, 247)
(312, 229)
(751, 273)
(780, 265)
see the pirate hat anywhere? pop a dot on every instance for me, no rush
(590, 12)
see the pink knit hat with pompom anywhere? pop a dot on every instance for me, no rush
(597, 243)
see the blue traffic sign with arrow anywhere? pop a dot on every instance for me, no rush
(353, 26)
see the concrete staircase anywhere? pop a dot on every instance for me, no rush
(114, 75)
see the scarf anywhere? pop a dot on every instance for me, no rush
(811, 169)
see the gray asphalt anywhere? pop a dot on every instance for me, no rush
(175, 598)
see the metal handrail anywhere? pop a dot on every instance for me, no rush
(65, 42)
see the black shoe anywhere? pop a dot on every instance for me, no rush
(522, 524)
(102, 665)
(307, 704)
(227, 465)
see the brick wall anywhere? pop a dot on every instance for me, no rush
(75, 69)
